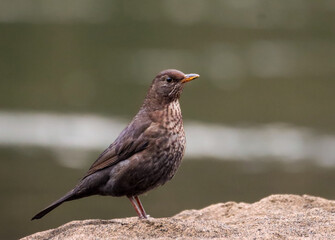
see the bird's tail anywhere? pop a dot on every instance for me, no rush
(67, 197)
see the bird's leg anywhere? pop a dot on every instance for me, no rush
(136, 207)
(139, 204)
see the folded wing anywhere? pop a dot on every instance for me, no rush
(130, 141)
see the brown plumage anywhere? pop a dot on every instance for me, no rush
(146, 154)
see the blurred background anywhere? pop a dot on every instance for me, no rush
(259, 121)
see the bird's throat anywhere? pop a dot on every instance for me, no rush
(172, 116)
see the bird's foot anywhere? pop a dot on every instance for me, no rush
(144, 217)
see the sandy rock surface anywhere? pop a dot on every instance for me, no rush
(274, 217)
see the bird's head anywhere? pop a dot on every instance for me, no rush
(168, 85)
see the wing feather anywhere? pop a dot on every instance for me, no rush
(129, 142)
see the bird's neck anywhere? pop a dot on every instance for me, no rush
(172, 119)
(154, 103)
(170, 112)
(173, 112)
(171, 115)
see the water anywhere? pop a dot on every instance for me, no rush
(259, 121)
(62, 132)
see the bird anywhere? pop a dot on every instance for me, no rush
(146, 154)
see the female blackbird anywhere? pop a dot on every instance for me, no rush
(146, 154)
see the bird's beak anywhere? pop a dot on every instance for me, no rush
(190, 77)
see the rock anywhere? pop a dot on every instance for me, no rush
(274, 217)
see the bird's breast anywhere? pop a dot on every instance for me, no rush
(171, 146)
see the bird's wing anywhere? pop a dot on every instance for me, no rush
(129, 142)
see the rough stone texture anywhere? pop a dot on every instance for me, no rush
(274, 217)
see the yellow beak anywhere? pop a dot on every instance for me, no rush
(190, 77)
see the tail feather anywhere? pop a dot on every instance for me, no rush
(67, 197)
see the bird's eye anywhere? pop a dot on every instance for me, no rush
(169, 79)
